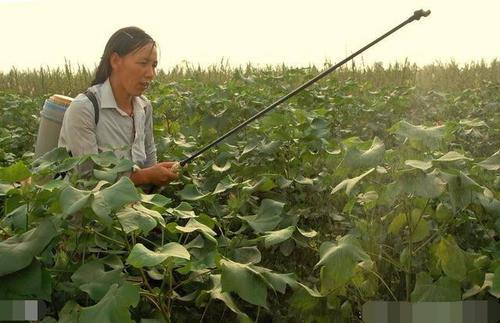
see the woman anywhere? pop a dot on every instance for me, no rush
(125, 124)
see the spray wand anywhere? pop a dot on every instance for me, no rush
(416, 16)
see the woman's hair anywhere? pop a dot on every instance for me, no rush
(122, 42)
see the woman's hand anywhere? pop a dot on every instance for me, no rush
(159, 174)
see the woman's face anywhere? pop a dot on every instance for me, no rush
(136, 70)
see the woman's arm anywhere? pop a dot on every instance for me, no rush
(159, 174)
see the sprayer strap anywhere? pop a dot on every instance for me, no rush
(93, 99)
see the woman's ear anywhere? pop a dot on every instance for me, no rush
(115, 61)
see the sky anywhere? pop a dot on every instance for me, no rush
(46, 33)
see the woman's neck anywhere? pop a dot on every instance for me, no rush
(122, 98)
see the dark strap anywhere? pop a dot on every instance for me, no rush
(93, 99)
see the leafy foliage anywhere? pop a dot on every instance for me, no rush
(347, 193)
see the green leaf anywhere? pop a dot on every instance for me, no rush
(68, 164)
(120, 193)
(277, 281)
(54, 184)
(222, 169)
(398, 223)
(359, 159)
(32, 282)
(239, 278)
(5, 188)
(307, 234)
(268, 216)
(473, 123)
(73, 200)
(420, 227)
(423, 165)
(248, 148)
(303, 180)
(489, 282)
(302, 300)
(269, 148)
(246, 255)
(17, 217)
(94, 280)
(14, 173)
(461, 188)
(443, 213)
(217, 293)
(224, 185)
(151, 213)
(105, 175)
(274, 237)
(140, 256)
(421, 184)
(444, 290)
(18, 251)
(319, 123)
(132, 220)
(430, 137)
(194, 225)
(113, 261)
(312, 292)
(191, 193)
(264, 184)
(491, 205)
(70, 312)
(105, 159)
(492, 162)
(337, 262)
(110, 175)
(451, 258)
(495, 286)
(183, 210)
(114, 197)
(350, 183)
(452, 156)
(55, 155)
(155, 199)
(113, 307)
(283, 182)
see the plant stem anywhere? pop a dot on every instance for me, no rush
(109, 238)
(386, 258)
(151, 298)
(165, 314)
(205, 311)
(145, 280)
(191, 279)
(148, 241)
(222, 315)
(170, 290)
(410, 246)
(385, 284)
(84, 248)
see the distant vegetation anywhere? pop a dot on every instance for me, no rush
(71, 80)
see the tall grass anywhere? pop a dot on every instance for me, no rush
(439, 76)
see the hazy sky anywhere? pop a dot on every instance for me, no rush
(46, 32)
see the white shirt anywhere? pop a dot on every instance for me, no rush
(129, 137)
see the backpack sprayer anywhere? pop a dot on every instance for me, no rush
(416, 16)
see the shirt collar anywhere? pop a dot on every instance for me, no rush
(107, 97)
